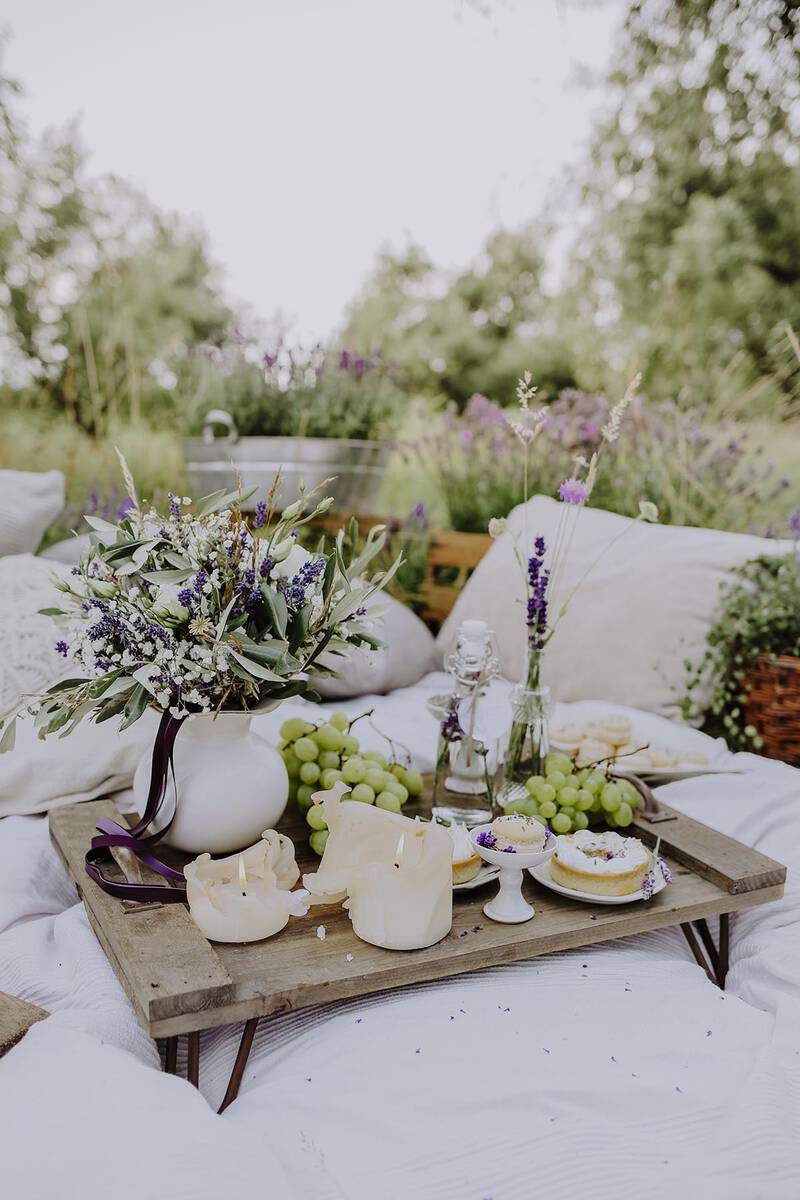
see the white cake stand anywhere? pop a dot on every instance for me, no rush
(509, 906)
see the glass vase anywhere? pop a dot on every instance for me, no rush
(529, 741)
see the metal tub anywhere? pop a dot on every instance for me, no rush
(219, 461)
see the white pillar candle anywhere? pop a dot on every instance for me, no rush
(394, 873)
(246, 897)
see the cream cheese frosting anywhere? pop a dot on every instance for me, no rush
(601, 853)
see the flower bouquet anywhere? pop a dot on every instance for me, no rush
(198, 614)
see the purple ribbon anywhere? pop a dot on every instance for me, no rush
(137, 839)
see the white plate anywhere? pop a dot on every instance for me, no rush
(542, 875)
(677, 772)
(485, 875)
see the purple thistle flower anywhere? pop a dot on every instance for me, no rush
(572, 491)
(261, 515)
(62, 647)
(185, 597)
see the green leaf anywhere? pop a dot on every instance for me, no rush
(111, 709)
(255, 668)
(222, 499)
(276, 605)
(135, 706)
(104, 529)
(178, 560)
(329, 576)
(271, 651)
(65, 685)
(223, 619)
(52, 612)
(166, 576)
(9, 735)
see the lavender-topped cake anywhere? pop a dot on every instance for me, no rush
(514, 834)
(603, 864)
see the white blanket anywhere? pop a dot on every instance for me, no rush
(601, 1073)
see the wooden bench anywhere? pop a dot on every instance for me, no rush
(451, 559)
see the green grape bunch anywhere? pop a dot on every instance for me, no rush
(316, 756)
(568, 797)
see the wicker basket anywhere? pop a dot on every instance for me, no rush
(773, 706)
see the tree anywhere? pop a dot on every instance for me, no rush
(474, 332)
(690, 257)
(104, 296)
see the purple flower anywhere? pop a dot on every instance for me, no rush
(419, 511)
(572, 491)
(269, 360)
(185, 597)
(509, 850)
(174, 505)
(794, 523)
(538, 579)
(124, 508)
(486, 839)
(451, 730)
(266, 567)
(466, 436)
(62, 648)
(261, 515)
(344, 360)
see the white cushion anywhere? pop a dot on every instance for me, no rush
(409, 653)
(71, 550)
(29, 502)
(646, 606)
(37, 775)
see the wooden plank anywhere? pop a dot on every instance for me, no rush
(734, 867)
(160, 957)
(16, 1018)
(450, 549)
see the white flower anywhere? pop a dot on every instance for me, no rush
(497, 527)
(648, 510)
(167, 608)
(295, 558)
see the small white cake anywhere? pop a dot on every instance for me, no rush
(603, 864)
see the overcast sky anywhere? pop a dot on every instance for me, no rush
(306, 134)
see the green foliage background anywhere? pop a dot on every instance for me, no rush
(684, 223)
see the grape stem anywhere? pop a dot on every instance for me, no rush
(628, 754)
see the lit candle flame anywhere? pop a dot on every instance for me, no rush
(398, 854)
(242, 876)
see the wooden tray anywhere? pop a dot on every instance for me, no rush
(178, 982)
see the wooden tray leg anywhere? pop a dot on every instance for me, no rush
(171, 1055)
(724, 948)
(193, 1062)
(239, 1065)
(718, 958)
(694, 946)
